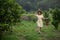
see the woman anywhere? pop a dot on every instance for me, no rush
(40, 18)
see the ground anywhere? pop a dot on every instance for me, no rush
(26, 30)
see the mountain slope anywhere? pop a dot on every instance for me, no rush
(30, 5)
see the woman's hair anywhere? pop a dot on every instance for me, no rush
(39, 11)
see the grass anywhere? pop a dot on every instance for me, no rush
(27, 31)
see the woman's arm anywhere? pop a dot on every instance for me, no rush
(35, 14)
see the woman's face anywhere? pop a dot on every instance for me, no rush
(39, 13)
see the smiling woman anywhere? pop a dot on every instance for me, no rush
(40, 18)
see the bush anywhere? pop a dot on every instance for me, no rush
(10, 13)
(56, 17)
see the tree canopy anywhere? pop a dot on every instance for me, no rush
(10, 12)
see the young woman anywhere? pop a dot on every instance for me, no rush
(40, 18)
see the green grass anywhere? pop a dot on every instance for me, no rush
(27, 31)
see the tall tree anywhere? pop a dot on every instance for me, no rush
(10, 13)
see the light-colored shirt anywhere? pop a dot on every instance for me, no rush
(40, 20)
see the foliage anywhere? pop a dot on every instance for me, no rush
(56, 17)
(10, 13)
(27, 30)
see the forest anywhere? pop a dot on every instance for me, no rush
(18, 20)
(30, 5)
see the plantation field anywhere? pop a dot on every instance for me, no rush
(27, 30)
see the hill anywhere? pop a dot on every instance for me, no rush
(30, 5)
